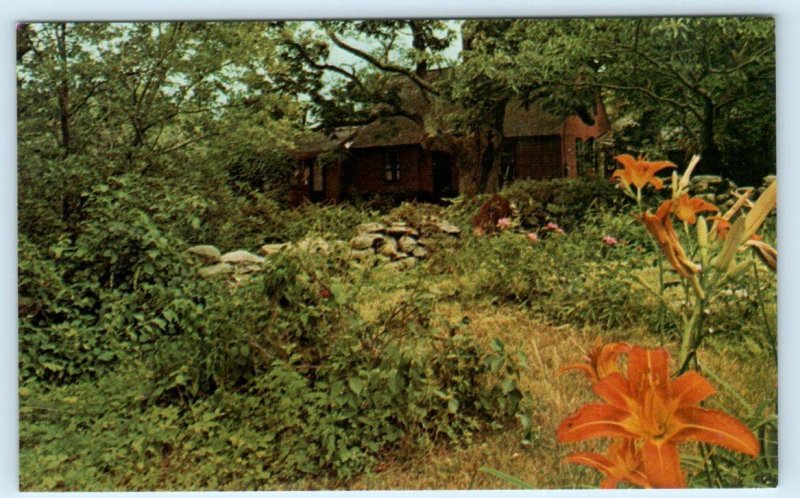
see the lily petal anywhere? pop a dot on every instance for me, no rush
(594, 420)
(715, 427)
(648, 369)
(616, 391)
(662, 465)
(690, 389)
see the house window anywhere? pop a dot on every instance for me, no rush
(507, 163)
(391, 166)
(586, 157)
(318, 183)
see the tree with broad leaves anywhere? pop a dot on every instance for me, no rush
(463, 105)
(703, 85)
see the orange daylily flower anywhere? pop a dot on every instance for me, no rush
(639, 172)
(660, 227)
(658, 413)
(686, 208)
(601, 361)
(622, 462)
(723, 225)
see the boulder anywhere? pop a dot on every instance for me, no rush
(217, 269)
(400, 229)
(389, 249)
(367, 240)
(419, 252)
(448, 228)
(205, 253)
(241, 258)
(361, 254)
(314, 245)
(272, 249)
(406, 243)
(374, 227)
(248, 268)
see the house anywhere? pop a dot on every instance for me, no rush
(389, 156)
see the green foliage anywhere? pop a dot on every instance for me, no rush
(284, 376)
(561, 200)
(689, 85)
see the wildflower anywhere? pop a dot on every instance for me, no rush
(551, 226)
(657, 414)
(504, 223)
(622, 462)
(686, 208)
(325, 293)
(723, 225)
(660, 227)
(533, 237)
(601, 361)
(610, 241)
(638, 172)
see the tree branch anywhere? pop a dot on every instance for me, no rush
(390, 68)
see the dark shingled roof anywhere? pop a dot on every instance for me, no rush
(530, 122)
(388, 132)
(315, 143)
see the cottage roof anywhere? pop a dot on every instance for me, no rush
(314, 143)
(388, 132)
(530, 121)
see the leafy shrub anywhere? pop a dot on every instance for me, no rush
(329, 390)
(105, 294)
(564, 200)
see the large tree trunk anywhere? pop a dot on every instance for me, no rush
(478, 158)
(712, 158)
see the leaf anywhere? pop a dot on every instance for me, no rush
(732, 242)
(452, 405)
(356, 385)
(507, 478)
(764, 205)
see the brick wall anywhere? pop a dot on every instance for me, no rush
(574, 129)
(364, 173)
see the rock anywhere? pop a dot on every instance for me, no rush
(367, 240)
(420, 252)
(314, 245)
(406, 243)
(361, 254)
(768, 180)
(205, 253)
(398, 229)
(272, 249)
(401, 265)
(241, 257)
(389, 249)
(448, 228)
(374, 227)
(217, 269)
(248, 268)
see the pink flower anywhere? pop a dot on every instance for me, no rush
(504, 223)
(559, 230)
(552, 226)
(610, 241)
(533, 237)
